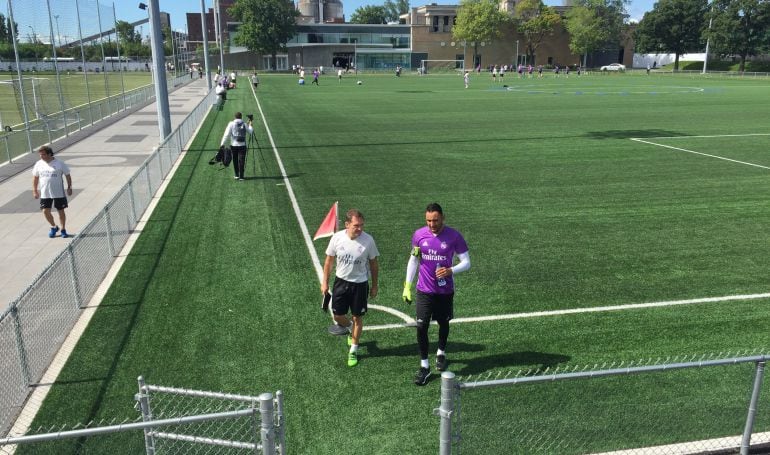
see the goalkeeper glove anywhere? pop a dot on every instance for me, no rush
(407, 295)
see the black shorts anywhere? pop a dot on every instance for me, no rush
(58, 202)
(439, 307)
(349, 296)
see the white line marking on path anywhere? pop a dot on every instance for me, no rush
(600, 309)
(699, 153)
(301, 219)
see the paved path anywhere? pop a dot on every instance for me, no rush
(100, 164)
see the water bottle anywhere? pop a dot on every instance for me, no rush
(441, 281)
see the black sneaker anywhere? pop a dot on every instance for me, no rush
(441, 362)
(421, 378)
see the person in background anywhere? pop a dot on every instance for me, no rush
(236, 131)
(48, 186)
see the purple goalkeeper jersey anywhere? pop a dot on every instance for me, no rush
(437, 250)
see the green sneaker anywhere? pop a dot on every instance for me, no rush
(352, 359)
(350, 340)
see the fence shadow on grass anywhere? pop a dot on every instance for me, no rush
(628, 134)
(525, 360)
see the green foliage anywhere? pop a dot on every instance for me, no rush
(479, 20)
(395, 8)
(739, 27)
(535, 21)
(126, 33)
(673, 26)
(266, 25)
(595, 25)
(369, 14)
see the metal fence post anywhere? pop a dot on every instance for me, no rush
(267, 423)
(280, 423)
(74, 274)
(746, 440)
(445, 411)
(132, 202)
(20, 343)
(7, 149)
(143, 397)
(108, 223)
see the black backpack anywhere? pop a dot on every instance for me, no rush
(239, 132)
(224, 155)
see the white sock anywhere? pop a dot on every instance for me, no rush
(440, 352)
(424, 363)
(353, 347)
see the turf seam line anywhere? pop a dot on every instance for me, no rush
(301, 220)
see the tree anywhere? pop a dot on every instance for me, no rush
(478, 20)
(395, 8)
(369, 14)
(739, 27)
(126, 33)
(266, 25)
(535, 21)
(673, 26)
(10, 38)
(595, 24)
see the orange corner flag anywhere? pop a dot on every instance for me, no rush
(329, 225)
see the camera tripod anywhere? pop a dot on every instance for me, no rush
(253, 145)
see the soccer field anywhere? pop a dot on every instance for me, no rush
(610, 218)
(73, 87)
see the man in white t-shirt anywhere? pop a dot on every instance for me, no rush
(356, 257)
(48, 186)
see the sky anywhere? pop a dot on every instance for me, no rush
(129, 11)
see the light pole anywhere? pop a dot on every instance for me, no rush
(58, 33)
(517, 53)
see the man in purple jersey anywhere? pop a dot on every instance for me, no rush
(433, 249)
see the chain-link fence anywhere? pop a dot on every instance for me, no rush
(681, 406)
(33, 327)
(172, 421)
(63, 67)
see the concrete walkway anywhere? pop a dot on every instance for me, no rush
(101, 162)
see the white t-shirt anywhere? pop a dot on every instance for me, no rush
(353, 256)
(50, 183)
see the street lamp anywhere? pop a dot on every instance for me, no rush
(58, 33)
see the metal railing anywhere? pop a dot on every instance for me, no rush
(183, 421)
(650, 417)
(56, 126)
(34, 326)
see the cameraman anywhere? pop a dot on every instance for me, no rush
(237, 131)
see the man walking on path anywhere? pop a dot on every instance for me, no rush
(48, 186)
(356, 256)
(433, 249)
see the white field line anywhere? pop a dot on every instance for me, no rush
(699, 153)
(600, 309)
(301, 219)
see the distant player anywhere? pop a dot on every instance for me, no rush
(467, 79)
(433, 249)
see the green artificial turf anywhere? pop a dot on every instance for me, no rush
(560, 208)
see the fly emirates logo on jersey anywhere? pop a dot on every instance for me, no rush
(433, 255)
